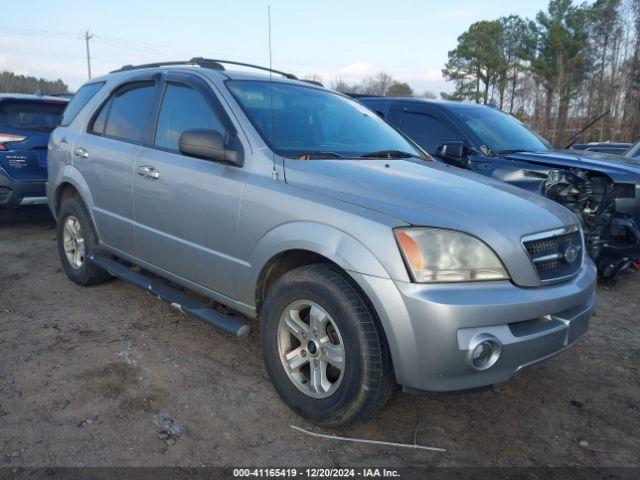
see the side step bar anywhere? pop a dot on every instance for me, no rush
(177, 300)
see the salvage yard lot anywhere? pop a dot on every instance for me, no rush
(109, 375)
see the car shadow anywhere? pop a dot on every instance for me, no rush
(32, 216)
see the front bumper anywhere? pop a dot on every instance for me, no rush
(14, 193)
(431, 328)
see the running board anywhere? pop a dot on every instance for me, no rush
(177, 300)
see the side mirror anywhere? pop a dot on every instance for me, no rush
(209, 145)
(454, 153)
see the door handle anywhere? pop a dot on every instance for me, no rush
(81, 152)
(147, 171)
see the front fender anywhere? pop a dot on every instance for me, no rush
(332, 243)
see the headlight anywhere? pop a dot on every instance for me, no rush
(437, 255)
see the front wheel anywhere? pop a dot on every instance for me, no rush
(323, 347)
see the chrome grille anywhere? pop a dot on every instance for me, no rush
(556, 255)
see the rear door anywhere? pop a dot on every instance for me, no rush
(29, 122)
(186, 208)
(105, 156)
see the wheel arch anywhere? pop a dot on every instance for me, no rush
(277, 254)
(72, 184)
(283, 248)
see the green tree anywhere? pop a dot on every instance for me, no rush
(517, 44)
(12, 83)
(560, 61)
(399, 89)
(477, 57)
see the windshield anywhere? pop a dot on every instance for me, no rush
(634, 151)
(31, 115)
(500, 132)
(306, 122)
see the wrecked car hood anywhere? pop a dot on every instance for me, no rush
(429, 193)
(618, 168)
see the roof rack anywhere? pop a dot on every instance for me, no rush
(213, 64)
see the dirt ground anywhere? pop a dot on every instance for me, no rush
(110, 376)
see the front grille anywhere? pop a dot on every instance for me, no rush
(555, 255)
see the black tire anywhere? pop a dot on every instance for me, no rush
(88, 273)
(368, 380)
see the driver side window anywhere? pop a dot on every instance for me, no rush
(427, 131)
(183, 108)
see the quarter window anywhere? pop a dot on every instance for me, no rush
(183, 108)
(79, 100)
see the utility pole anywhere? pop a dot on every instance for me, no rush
(87, 37)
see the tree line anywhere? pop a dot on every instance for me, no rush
(12, 83)
(381, 84)
(570, 64)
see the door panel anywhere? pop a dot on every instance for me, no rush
(186, 218)
(186, 209)
(105, 156)
(108, 171)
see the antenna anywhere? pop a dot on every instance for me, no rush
(274, 172)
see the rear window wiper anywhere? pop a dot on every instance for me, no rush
(388, 154)
(312, 155)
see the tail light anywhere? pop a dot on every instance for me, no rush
(9, 137)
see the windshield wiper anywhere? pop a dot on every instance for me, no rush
(512, 150)
(312, 155)
(388, 154)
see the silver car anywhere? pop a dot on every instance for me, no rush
(367, 264)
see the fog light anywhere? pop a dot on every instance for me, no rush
(484, 352)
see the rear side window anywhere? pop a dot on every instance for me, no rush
(125, 115)
(31, 115)
(427, 131)
(78, 101)
(183, 108)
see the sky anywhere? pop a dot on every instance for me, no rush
(348, 39)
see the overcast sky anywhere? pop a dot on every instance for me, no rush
(345, 39)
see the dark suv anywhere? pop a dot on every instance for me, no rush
(602, 190)
(25, 124)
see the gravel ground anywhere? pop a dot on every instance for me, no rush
(110, 376)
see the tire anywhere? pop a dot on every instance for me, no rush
(73, 216)
(341, 396)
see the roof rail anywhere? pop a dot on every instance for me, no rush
(312, 82)
(213, 64)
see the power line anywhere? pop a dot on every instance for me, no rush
(87, 37)
(30, 32)
(113, 41)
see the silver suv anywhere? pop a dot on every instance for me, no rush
(367, 264)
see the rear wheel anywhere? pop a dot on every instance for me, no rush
(76, 240)
(323, 347)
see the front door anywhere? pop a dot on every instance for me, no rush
(186, 208)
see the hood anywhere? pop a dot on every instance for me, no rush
(618, 168)
(432, 194)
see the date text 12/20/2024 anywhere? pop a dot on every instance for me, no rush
(315, 473)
